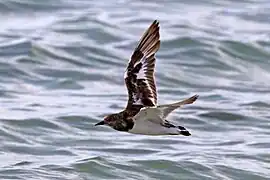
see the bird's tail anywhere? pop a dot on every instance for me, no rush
(176, 130)
(168, 108)
(183, 131)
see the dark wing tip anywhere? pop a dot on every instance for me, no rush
(191, 99)
(156, 22)
(194, 98)
(149, 42)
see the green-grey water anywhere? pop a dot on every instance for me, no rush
(61, 70)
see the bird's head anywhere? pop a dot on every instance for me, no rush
(108, 120)
(116, 122)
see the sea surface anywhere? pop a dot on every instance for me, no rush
(61, 71)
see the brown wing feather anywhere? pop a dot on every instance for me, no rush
(139, 75)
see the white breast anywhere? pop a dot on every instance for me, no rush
(148, 121)
(149, 128)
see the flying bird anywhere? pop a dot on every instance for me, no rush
(142, 115)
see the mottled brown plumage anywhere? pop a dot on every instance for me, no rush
(122, 121)
(141, 87)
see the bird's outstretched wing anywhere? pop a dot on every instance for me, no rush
(139, 75)
(168, 108)
(160, 113)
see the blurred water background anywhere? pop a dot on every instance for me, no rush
(61, 70)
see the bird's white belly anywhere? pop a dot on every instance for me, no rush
(149, 128)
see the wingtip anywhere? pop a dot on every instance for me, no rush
(191, 100)
(194, 98)
(156, 22)
(150, 41)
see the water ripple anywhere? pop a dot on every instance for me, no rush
(62, 65)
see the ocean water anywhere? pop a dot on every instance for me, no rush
(61, 71)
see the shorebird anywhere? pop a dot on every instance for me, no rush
(142, 115)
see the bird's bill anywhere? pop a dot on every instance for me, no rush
(100, 123)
